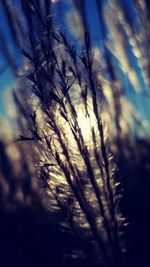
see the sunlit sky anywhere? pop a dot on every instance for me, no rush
(7, 80)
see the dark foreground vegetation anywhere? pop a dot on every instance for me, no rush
(32, 235)
(74, 176)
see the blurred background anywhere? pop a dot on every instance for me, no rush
(74, 132)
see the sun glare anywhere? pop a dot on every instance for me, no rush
(86, 123)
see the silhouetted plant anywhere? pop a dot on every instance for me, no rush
(64, 110)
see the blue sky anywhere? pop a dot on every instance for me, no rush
(6, 81)
(7, 78)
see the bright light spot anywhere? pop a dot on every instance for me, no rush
(86, 124)
(54, 1)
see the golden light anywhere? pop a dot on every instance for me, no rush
(86, 123)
